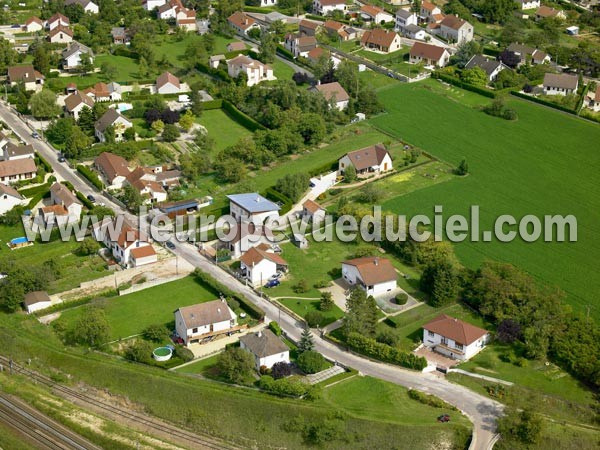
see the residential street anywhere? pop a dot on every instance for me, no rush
(481, 410)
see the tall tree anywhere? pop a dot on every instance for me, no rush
(268, 47)
(306, 343)
(361, 315)
(43, 104)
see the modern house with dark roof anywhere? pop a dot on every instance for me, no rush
(454, 338)
(267, 348)
(373, 274)
(527, 54)
(252, 207)
(560, 84)
(204, 320)
(490, 66)
(116, 120)
(367, 161)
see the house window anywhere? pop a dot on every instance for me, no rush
(444, 341)
(458, 346)
(194, 330)
(430, 333)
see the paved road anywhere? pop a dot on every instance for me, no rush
(481, 410)
(37, 429)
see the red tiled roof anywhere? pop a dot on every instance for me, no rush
(460, 332)
(374, 270)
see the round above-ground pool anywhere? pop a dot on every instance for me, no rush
(162, 353)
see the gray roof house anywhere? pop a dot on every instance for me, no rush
(267, 348)
(490, 66)
(243, 206)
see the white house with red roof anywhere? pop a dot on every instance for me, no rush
(429, 10)
(375, 14)
(323, 7)
(33, 24)
(128, 245)
(167, 83)
(260, 263)
(454, 338)
(242, 22)
(373, 274)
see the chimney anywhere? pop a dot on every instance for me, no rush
(259, 334)
(219, 310)
(223, 299)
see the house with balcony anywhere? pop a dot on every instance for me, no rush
(454, 338)
(196, 323)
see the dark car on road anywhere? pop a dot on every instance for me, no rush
(61, 158)
(170, 245)
(91, 198)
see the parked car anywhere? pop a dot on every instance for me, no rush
(272, 283)
(170, 245)
(443, 418)
(276, 276)
(35, 135)
(61, 158)
(91, 198)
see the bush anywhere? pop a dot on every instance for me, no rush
(185, 354)
(383, 352)
(281, 370)
(241, 118)
(275, 328)
(313, 318)
(84, 200)
(284, 386)
(140, 351)
(301, 287)
(321, 284)
(156, 333)
(311, 362)
(401, 298)
(429, 400)
(91, 176)
(469, 87)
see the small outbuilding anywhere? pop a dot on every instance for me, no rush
(36, 300)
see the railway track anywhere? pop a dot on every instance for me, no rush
(37, 429)
(189, 437)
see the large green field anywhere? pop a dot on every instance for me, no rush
(543, 163)
(132, 313)
(221, 128)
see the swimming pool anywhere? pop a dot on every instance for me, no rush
(19, 240)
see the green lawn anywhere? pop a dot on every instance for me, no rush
(225, 131)
(370, 397)
(200, 367)
(131, 314)
(536, 375)
(127, 68)
(301, 307)
(281, 70)
(75, 269)
(409, 324)
(543, 163)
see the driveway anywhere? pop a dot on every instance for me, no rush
(338, 290)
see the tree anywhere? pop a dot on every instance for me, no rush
(131, 197)
(323, 67)
(350, 174)
(523, 427)
(170, 133)
(440, 280)
(347, 75)
(86, 65)
(129, 134)
(236, 364)
(475, 76)
(361, 315)
(313, 318)
(41, 57)
(186, 121)
(76, 141)
(463, 168)
(281, 369)
(306, 343)
(230, 170)
(508, 331)
(267, 47)
(311, 362)
(156, 333)
(158, 125)
(109, 70)
(92, 328)
(88, 246)
(43, 104)
(311, 128)
(139, 351)
(59, 130)
(498, 11)
(370, 193)
(86, 120)
(109, 134)
(8, 55)
(327, 302)
(143, 70)
(293, 185)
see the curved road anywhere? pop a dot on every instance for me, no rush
(481, 410)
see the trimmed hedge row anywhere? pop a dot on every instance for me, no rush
(277, 196)
(83, 199)
(325, 168)
(212, 104)
(458, 83)
(241, 117)
(284, 52)
(230, 55)
(47, 167)
(251, 309)
(38, 198)
(383, 352)
(543, 102)
(90, 175)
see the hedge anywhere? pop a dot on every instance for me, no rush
(543, 102)
(230, 55)
(275, 328)
(47, 167)
(250, 308)
(212, 104)
(582, 98)
(458, 83)
(78, 302)
(284, 52)
(90, 175)
(83, 199)
(258, 9)
(241, 118)
(491, 51)
(277, 196)
(37, 198)
(325, 168)
(430, 400)
(383, 352)
(30, 192)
